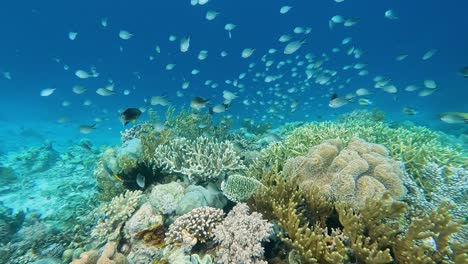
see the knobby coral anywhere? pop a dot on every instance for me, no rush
(200, 160)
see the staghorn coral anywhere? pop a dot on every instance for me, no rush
(361, 170)
(200, 160)
(194, 226)
(240, 236)
(116, 211)
(238, 188)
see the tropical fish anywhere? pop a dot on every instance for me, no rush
(229, 27)
(454, 117)
(47, 91)
(184, 44)
(105, 92)
(140, 180)
(129, 115)
(198, 102)
(285, 9)
(293, 46)
(247, 53)
(464, 72)
(86, 129)
(211, 15)
(159, 100)
(337, 102)
(391, 14)
(72, 35)
(429, 54)
(125, 35)
(79, 89)
(409, 111)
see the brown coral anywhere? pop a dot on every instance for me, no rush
(359, 171)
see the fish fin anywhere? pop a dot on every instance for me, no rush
(334, 96)
(117, 177)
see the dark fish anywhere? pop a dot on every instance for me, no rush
(336, 102)
(86, 129)
(409, 111)
(129, 115)
(464, 72)
(198, 102)
(86, 146)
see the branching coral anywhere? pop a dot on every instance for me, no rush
(372, 234)
(116, 211)
(201, 160)
(361, 170)
(194, 226)
(240, 236)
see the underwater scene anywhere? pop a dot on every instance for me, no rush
(234, 132)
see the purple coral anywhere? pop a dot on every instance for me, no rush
(240, 236)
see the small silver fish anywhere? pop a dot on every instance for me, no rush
(140, 180)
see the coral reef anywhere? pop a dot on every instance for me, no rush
(238, 188)
(200, 160)
(372, 234)
(415, 146)
(194, 226)
(10, 222)
(240, 236)
(116, 211)
(35, 159)
(355, 173)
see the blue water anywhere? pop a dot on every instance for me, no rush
(34, 33)
(35, 48)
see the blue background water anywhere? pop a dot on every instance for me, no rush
(35, 32)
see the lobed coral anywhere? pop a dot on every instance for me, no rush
(355, 173)
(194, 226)
(240, 236)
(200, 160)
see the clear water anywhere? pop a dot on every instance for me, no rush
(37, 53)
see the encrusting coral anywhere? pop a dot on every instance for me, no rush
(240, 236)
(359, 171)
(200, 160)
